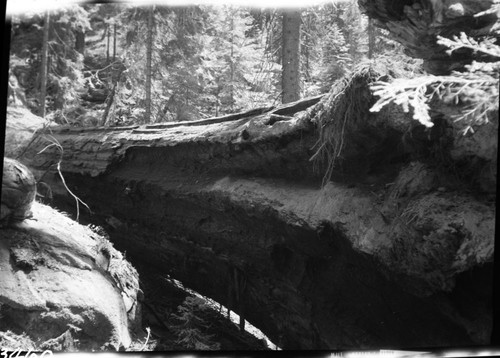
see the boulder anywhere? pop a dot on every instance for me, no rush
(64, 286)
(20, 127)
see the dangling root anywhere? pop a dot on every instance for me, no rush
(341, 112)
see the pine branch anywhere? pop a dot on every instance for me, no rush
(476, 89)
(486, 46)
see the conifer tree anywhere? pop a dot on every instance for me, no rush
(371, 39)
(291, 55)
(354, 29)
(43, 67)
(149, 50)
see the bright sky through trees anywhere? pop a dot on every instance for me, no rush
(206, 60)
(15, 7)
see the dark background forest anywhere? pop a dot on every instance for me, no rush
(113, 64)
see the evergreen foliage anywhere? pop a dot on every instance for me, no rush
(205, 60)
(229, 59)
(65, 66)
(65, 78)
(326, 52)
(476, 88)
(191, 326)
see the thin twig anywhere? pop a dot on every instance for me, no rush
(147, 339)
(55, 142)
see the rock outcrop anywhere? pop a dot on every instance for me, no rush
(64, 287)
(18, 192)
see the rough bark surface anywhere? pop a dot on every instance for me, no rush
(392, 252)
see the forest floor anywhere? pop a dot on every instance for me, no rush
(162, 300)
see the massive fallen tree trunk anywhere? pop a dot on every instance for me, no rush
(392, 251)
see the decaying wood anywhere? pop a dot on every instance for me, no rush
(294, 107)
(288, 109)
(273, 118)
(109, 103)
(202, 122)
(416, 25)
(91, 150)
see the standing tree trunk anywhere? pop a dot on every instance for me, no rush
(109, 102)
(43, 69)
(290, 77)
(232, 65)
(371, 38)
(149, 51)
(107, 44)
(114, 42)
(306, 45)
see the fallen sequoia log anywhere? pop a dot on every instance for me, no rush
(394, 249)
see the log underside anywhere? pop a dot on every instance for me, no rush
(235, 211)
